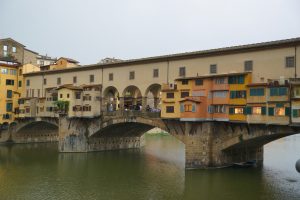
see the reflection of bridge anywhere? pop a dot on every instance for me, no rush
(206, 143)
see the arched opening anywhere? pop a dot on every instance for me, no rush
(38, 131)
(110, 100)
(132, 98)
(152, 97)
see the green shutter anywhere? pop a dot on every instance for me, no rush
(232, 94)
(287, 111)
(194, 107)
(248, 110)
(230, 80)
(181, 107)
(282, 91)
(244, 111)
(271, 111)
(295, 113)
(252, 92)
(263, 110)
(231, 110)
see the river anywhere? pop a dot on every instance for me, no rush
(38, 171)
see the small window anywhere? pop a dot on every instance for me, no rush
(60, 95)
(58, 81)
(238, 110)
(181, 71)
(9, 94)
(10, 82)
(20, 84)
(78, 95)
(198, 82)
(170, 95)
(14, 49)
(248, 66)
(4, 47)
(110, 76)
(169, 109)
(68, 95)
(27, 82)
(131, 75)
(155, 73)
(92, 78)
(256, 110)
(74, 79)
(9, 107)
(213, 69)
(184, 94)
(45, 81)
(290, 61)
(185, 82)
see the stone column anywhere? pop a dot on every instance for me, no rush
(73, 135)
(144, 103)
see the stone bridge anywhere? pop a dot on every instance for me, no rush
(207, 144)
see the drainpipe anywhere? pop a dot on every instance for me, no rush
(295, 62)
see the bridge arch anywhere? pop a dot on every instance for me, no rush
(110, 99)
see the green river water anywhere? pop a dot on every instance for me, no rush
(38, 171)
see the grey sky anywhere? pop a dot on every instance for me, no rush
(89, 30)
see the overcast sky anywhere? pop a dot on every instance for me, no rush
(89, 30)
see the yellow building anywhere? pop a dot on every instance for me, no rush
(11, 87)
(170, 101)
(238, 94)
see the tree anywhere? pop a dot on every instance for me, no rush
(62, 106)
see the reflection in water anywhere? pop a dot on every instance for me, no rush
(154, 172)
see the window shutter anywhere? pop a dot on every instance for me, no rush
(181, 107)
(263, 110)
(231, 110)
(194, 107)
(295, 113)
(271, 111)
(248, 110)
(287, 111)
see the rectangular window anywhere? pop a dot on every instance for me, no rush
(278, 91)
(20, 84)
(10, 82)
(155, 73)
(131, 75)
(170, 95)
(74, 79)
(181, 71)
(256, 110)
(92, 78)
(296, 113)
(279, 111)
(45, 81)
(27, 82)
(110, 76)
(60, 95)
(78, 95)
(257, 92)
(213, 69)
(238, 110)
(9, 107)
(248, 66)
(4, 47)
(13, 72)
(290, 61)
(199, 82)
(236, 79)
(4, 71)
(187, 107)
(9, 94)
(220, 94)
(185, 82)
(237, 94)
(220, 81)
(169, 109)
(58, 81)
(184, 94)
(14, 49)
(219, 109)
